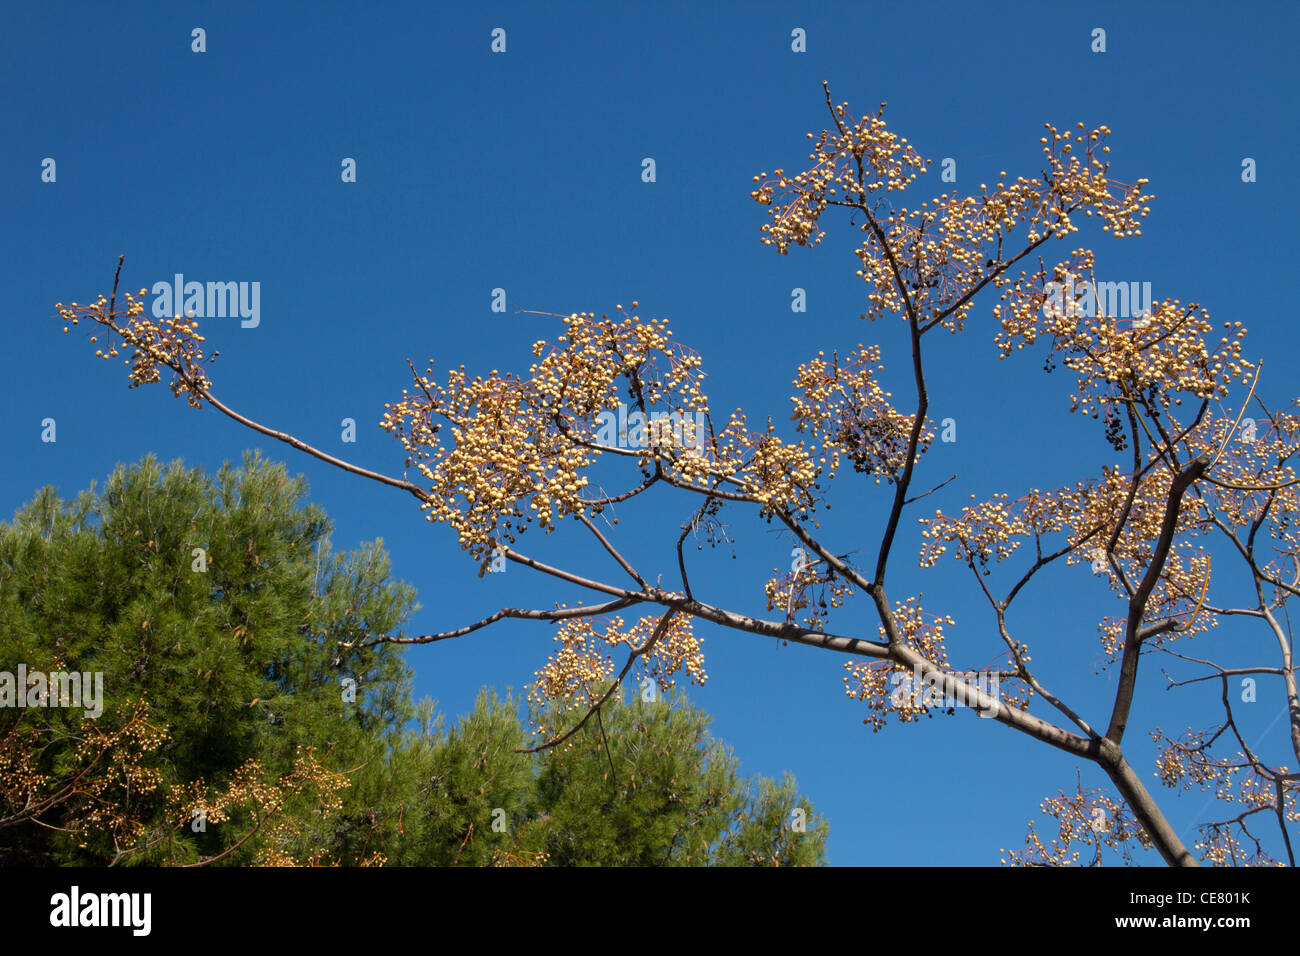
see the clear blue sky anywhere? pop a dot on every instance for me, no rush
(522, 171)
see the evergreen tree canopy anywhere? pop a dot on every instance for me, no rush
(219, 603)
(647, 785)
(237, 729)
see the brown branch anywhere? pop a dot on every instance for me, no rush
(1138, 602)
(529, 614)
(613, 552)
(302, 446)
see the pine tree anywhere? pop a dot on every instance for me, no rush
(218, 606)
(647, 785)
(240, 724)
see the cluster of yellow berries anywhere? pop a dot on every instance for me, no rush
(579, 671)
(885, 686)
(848, 166)
(174, 344)
(847, 412)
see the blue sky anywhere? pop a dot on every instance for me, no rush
(522, 171)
